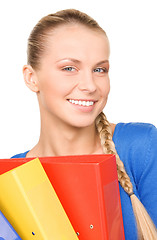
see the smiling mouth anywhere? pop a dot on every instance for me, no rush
(81, 102)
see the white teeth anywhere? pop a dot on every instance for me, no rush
(82, 103)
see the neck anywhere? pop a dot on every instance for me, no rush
(66, 140)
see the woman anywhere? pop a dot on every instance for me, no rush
(68, 64)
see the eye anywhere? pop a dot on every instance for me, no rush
(101, 70)
(69, 69)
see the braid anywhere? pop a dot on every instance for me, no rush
(105, 133)
(145, 226)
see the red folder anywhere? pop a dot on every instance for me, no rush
(88, 189)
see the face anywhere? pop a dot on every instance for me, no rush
(73, 81)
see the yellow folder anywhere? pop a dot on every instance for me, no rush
(30, 204)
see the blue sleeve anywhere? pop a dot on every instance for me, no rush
(136, 144)
(20, 155)
(147, 182)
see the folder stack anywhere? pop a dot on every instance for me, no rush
(62, 198)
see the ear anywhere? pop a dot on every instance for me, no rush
(30, 78)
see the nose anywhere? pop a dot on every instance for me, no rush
(86, 82)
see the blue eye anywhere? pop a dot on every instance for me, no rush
(101, 70)
(69, 69)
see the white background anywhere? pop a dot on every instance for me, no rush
(132, 30)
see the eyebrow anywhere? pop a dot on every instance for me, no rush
(78, 61)
(102, 62)
(69, 59)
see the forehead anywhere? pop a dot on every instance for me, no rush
(77, 41)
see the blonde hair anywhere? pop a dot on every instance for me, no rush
(43, 29)
(36, 47)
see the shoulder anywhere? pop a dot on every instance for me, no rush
(137, 134)
(135, 138)
(20, 155)
(136, 144)
(134, 128)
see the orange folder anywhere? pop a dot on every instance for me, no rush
(87, 186)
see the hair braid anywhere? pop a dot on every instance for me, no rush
(105, 133)
(146, 228)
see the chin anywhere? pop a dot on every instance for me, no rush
(82, 123)
(84, 120)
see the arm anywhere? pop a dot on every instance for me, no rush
(147, 183)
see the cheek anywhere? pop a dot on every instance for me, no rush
(108, 88)
(53, 91)
(58, 83)
(105, 87)
(50, 84)
(48, 91)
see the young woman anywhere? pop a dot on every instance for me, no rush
(68, 64)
